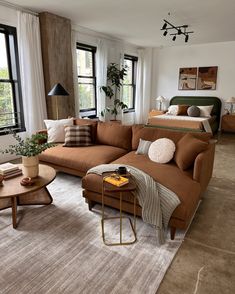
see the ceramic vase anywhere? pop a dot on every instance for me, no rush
(30, 166)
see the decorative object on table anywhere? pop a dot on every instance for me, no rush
(187, 78)
(207, 77)
(116, 180)
(160, 100)
(27, 181)
(9, 170)
(231, 101)
(29, 149)
(176, 31)
(57, 90)
(121, 170)
(115, 77)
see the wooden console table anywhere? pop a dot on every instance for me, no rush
(12, 193)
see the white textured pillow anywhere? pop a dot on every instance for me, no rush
(162, 150)
(173, 110)
(55, 129)
(205, 111)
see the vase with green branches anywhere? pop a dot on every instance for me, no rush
(29, 149)
(115, 77)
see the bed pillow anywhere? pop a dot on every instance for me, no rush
(143, 147)
(173, 110)
(182, 109)
(77, 136)
(161, 150)
(193, 111)
(55, 129)
(205, 111)
(187, 149)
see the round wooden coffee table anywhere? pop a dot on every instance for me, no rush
(12, 193)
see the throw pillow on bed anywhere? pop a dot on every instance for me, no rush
(182, 109)
(143, 147)
(193, 111)
(55, 129)
(162, 150)
(77, 136)
(205, 111)
(173, 110)
(187, 149)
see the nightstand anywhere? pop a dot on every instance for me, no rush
(155, 112)
(228, 123)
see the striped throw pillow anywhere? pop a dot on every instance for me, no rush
(143, 147)
(77, 136)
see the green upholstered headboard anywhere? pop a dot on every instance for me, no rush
(199, 100)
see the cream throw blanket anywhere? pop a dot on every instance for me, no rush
(157, 202)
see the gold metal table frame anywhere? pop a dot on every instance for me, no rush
(130, 187)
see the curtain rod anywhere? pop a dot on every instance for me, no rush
(18, 7)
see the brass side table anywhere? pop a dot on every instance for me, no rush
(130, 187)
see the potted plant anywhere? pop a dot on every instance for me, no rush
(115, 77)
(29, 149)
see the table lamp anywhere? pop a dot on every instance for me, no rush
(58, 90)
(231, 101)
(160, 99)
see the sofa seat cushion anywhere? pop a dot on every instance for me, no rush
(81, 158)
(168, 175)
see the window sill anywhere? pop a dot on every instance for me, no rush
(128, 110)
(4, 132)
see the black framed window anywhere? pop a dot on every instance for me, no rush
(11, 108)
(129, 83)
(86, 79)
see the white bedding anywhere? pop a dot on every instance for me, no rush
(203, 120)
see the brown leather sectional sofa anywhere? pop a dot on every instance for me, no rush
(114, 143)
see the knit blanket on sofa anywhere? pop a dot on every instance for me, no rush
(157, 202)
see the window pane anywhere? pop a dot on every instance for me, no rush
(4, 73)
(128, 96)
(86, 90)
(7, 112)
(128, 77)
(84, 63)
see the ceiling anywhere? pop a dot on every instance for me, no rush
(139, 21)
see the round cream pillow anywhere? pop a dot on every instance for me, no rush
(162, 150)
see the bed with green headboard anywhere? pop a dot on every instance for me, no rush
(186, 124)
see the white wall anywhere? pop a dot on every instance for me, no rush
(167, 62)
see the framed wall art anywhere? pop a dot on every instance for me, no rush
(207, 77)
(187, 78)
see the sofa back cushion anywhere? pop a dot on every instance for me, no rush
(92, 123)
(187, 149)
(152, 134)
(114, 134)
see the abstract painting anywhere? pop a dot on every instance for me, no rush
(187, 78)
(207, 77)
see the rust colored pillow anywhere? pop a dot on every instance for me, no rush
(114, 134)
(187, 149)
(182, 109)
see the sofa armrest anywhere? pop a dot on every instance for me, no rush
(203, 166)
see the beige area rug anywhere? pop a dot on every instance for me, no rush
(58, 249)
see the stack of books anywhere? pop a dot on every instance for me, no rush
(116, 180)
(9, 170)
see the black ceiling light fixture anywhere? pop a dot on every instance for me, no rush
(176, 30)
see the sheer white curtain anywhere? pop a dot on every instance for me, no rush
(101, 73)
(75, 72)
(143, 85)
(32, 80)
